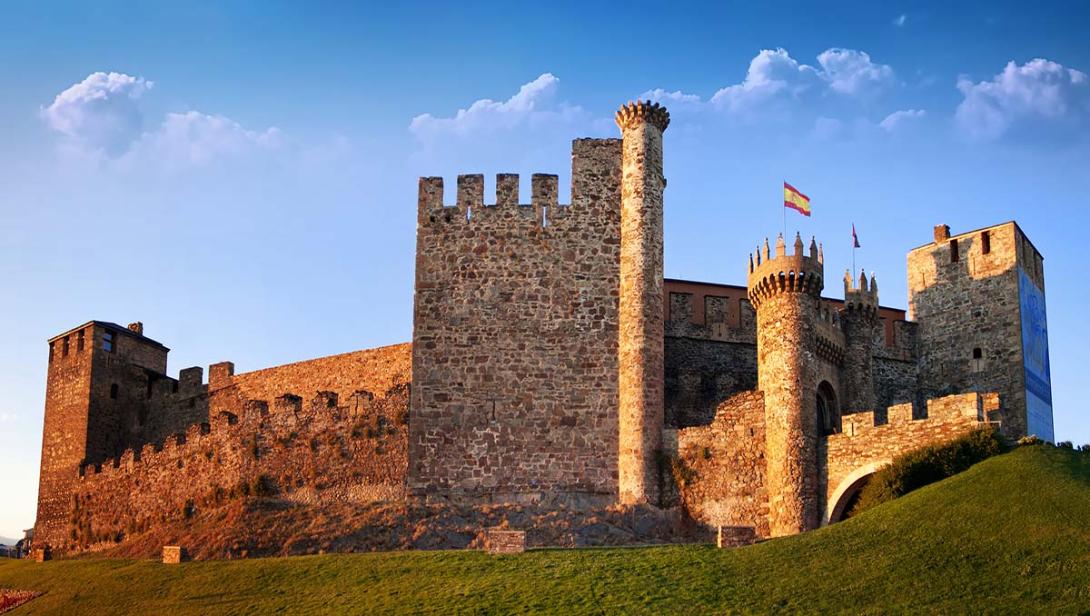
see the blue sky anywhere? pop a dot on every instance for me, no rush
(242, 178)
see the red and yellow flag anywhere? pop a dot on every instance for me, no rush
(795, 200)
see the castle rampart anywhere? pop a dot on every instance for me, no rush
(313, 452)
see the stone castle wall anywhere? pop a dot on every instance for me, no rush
(106, 391)
(865, 445)
(370, 371)
(720, 467)
(515, 336)
(322, 450)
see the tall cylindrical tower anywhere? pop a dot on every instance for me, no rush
(859, 320)
(786, 291)
(640, 319)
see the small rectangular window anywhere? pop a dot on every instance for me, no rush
(113, 391)
(108, 342)
(64, 347)
(954, 256)
(978, 353)
(50, 352)
(985, 242)
(79, 341)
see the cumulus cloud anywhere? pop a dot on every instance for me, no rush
(773, 74)
(770, 73)
(1039, 90)
(852, 72)
(532, 106)
(100, 113)
(898, 119)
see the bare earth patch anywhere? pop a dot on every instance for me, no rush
(11, 599)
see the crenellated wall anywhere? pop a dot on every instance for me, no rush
(865, 445)
(515, 337)
(326, 449)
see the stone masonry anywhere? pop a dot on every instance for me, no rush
(552, 364)
(640, 346)
(785, 290)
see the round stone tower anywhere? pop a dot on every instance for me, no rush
(786, 291)
(640, 318)
(860, 323)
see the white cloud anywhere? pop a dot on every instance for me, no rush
(770, 73)
(101, 116)
(852, 72)
(898, 118)
(7, 417)
(773, 74)
(100, 113)
(532, 106)
(900, 20)
(1037, 90)
(197, 138)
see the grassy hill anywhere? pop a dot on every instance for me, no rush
(1010, 535)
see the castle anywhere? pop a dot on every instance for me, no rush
(552, 363)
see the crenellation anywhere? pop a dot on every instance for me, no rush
(470, 193)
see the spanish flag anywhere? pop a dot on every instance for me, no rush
(795, 200)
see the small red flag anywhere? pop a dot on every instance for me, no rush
(855, 238)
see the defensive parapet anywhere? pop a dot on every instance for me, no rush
(313, 451)
(771, 274)
(591, 160)
(865, 446)
(786, 290)
(859, 320)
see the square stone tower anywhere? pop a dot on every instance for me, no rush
(100, 379)
(979, 299)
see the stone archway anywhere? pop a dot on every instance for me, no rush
(836, 506)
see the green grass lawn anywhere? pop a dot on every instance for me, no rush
(1010, 535)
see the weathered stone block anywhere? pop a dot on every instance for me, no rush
(502, 541)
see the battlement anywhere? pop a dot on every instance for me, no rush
(861, 297)
(972, 407)
(227, 431)
(594, 162)
(633, 114)
(780, 273)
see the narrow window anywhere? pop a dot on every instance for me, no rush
(978, 353)
(985, 242)
(978, 360)
(108, 342)
(151, 386)
(50, 352)
(64, 347)
(113, 391)
(79, 341)
(954, 256)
